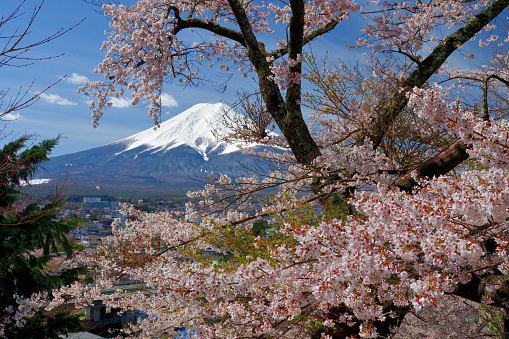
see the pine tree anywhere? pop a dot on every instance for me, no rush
(30, 237)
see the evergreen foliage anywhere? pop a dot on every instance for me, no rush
(30, 238)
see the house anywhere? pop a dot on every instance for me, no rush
(91, 240)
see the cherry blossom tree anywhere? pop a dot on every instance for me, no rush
(398, 252)
(384, 245)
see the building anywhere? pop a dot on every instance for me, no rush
(87, 200)
(91, 240)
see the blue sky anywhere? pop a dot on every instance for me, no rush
(62, 111)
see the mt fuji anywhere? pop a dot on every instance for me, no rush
(169, 160)
(192, 128)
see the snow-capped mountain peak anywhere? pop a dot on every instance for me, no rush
(177, 157)
(193, 128)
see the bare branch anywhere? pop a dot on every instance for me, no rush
(486, 113)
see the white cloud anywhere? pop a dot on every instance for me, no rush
(10, 116)
(119, 102)
(168, 100)
(56, 99)
(76, 79)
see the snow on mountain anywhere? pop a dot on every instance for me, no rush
(192, 127)
(177, 157)
(35, 182)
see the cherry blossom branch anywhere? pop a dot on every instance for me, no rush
(485, 82)
(210, 26)
(387, 112)
(409, 56)
(310, 36)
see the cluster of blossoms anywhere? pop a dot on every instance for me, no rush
(282, 75)
(25, 309)
(411, 26)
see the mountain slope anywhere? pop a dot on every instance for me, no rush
(192, 127)
(170, 160)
